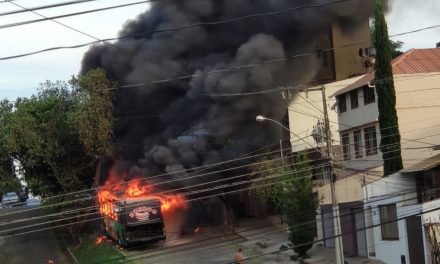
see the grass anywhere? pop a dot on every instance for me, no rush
(90, 253)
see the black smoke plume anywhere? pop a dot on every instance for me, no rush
(175, 125)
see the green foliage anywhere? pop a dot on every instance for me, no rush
(9, 184)
(396, 46)
(291, 190)
(8, 181)
(388, 120)
(57, 134)
(89, 252)
(93, 115)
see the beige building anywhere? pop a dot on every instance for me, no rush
(356, 130)
(416, 79)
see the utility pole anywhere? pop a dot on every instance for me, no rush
(335, 208)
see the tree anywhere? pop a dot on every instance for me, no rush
(388, 120)
(8, 180)
(291, 191)
(58, 134)
(396, 46)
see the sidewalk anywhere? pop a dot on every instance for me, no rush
(264, 236)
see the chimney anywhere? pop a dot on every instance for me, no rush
(438, 44)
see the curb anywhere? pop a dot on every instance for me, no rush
(72, 256)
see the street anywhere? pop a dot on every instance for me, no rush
(260, 240)
(217, 245)
(38, 247)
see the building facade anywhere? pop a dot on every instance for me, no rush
(402, 215)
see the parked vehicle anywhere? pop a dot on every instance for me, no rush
(135, 221)
(9, 199)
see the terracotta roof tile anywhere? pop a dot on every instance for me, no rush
(411, 62)
(417, 61)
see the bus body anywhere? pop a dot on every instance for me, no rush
(138, 220)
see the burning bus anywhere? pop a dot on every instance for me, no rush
(132, 213)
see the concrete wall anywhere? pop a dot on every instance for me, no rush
(346, 55)
(418, 107)
(348, 188)
(306, 109)
(362, 115)
(392, 190)
(381, 193)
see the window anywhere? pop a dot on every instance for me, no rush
(369, 96)
(357, 144)
(342, 103)
(390, 228)
(346, 146)
(370, 141)
(354, 99)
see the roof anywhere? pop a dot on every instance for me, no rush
(424, 165)
(411, 62)
(417, 61)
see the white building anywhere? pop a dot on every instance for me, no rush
(404, 211)
(416, 78)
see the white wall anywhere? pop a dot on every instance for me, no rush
(363, 114)
(383, 192)
(306, 109)
(398, 189)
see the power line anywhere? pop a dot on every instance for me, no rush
(70, 14)
(188, 193)
(44, 7)
(194, 199)
(300, 87)
(171, 251)
(175, 29)
(420, 212)
(245, 17)
(160, 183)
(163, 175)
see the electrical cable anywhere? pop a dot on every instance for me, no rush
(44, 7)
(191, 193)
(70, 14)
(124, 183)
(147, 33)
(421, 212)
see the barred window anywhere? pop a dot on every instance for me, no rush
(357, 142)
(370, 141)
(369, 96)
(390, 228)
(346, 146)
(354, 99)
(342, 103)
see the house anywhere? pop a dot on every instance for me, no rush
(404, 211)
(416, 77)
(341, 66)
(359, 163)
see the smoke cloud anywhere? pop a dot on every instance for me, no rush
(175, 125)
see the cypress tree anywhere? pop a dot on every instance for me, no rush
(386, 96)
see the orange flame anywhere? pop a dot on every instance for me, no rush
(114, 190)
(99, 240)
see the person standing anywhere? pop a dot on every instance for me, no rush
(238, 256)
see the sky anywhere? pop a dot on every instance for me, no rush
(21, 77)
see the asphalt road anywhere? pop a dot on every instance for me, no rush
(33, 248)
